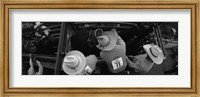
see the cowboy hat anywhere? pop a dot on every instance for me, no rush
(91, 61)
(140, 63)
(37, 24)
(154, 52)
(115, 59)
(107, 40)
(74, 62)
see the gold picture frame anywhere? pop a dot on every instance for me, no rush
(193, 5)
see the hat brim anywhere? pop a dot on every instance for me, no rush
(79, 68)
(113, 41)
(157, 60)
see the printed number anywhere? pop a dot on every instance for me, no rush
(117, 63)
(88, 70)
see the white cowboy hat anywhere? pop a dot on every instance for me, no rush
(74, 62)
(107, 40)
(37, 24)
(154, 52)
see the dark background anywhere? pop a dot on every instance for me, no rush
(135, 35)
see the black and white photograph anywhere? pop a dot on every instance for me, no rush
(99, 48)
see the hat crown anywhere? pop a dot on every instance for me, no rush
(98, 32)
(103, 40)
(71, 61)
(155, 51)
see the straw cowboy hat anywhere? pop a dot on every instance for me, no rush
(91, 61)
(37, 24)
(74, 62)
(154, 52)
(107, 40)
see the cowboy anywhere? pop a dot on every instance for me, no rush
(44, 40)
(31, 70)
(90, 67)
(33, 34)
(41, 30)
(75, 63)
(144, 62)
(113, 50)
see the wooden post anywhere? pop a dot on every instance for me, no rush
(159, 37)
(62, 46)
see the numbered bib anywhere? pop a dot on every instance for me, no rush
(87, 70)
(117, 63)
